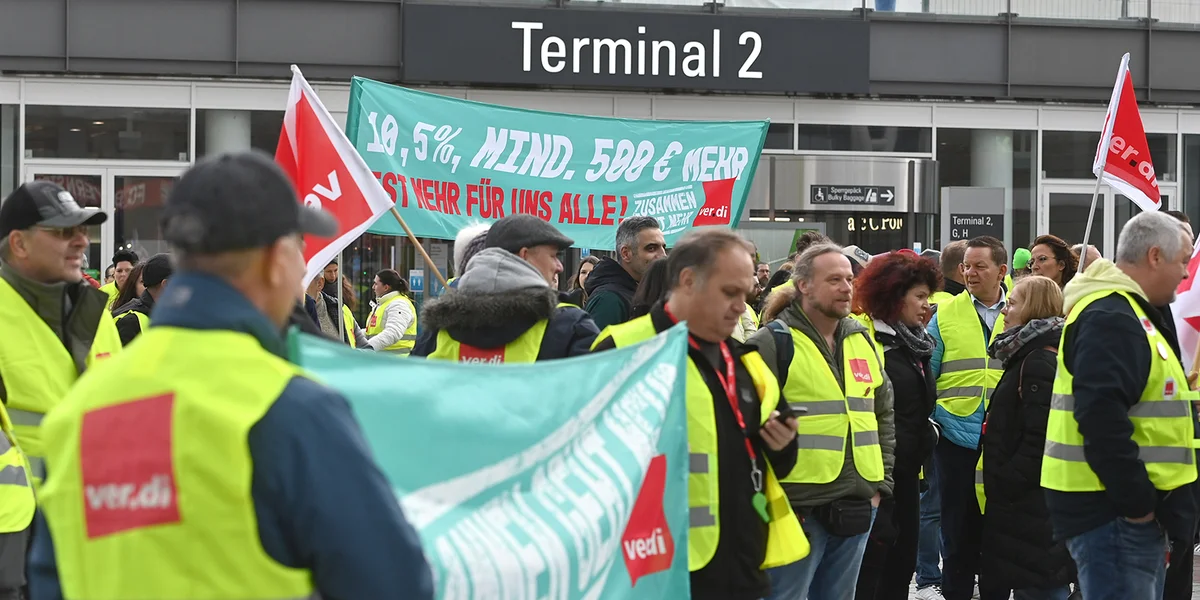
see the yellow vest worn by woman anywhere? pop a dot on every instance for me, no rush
(375, 326)
(38, 369)
(1162, 419)
(148, 495)
(786, 542)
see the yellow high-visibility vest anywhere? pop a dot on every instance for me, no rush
(968, 375)
(524, 349)
(1162, 418)
(38, 369)
(375, 326)
(829, 418)
(148, 494)
(786, 542)
(939, 297)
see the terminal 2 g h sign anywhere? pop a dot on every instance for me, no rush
(602, 47)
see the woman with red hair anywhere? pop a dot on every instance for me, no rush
(893, 291)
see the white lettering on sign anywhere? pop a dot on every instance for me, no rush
(1129, 154)
(712, 163)
(331, 193)
(623, 56)
(650, 546)
(153, 494)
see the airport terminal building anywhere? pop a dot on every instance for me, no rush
(894, 123)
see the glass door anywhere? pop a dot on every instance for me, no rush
(86, 184)
(133, 197)
(1064, 212)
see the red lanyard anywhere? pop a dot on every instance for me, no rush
(729, 384)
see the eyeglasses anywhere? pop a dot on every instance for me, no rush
(65, 233)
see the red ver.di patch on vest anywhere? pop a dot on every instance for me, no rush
(487, 356)
(128, 475)
(861, 370)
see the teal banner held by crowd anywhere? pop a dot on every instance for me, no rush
(448, 162)
(564, 480)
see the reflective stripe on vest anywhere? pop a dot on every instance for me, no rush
(1162, 419)
(188, 431)
(967, 376)
(980, 493)
(37, 369)
(825, 414)
(786, 542)
(17, 502)
(377, 323)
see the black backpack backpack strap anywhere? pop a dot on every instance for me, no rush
(784, 351)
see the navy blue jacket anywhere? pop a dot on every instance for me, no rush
(321, 501)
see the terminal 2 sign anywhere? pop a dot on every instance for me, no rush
(601, 47)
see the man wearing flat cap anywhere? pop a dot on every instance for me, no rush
(55, 328)
(134, 317)
(199, 463)
(505, 308)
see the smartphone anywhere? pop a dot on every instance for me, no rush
(791, 411)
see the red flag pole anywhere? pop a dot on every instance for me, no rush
(1087, 232)
(429, 261)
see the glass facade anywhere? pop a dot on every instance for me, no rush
(9, 142)
(86, 132)
(1069, 154)
(224, 130)
(994, 158)
(865, 138)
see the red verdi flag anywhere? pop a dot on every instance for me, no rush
(1122, 157)
(328, 173)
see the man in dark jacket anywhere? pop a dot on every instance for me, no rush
(1117, 509)
(611, 285)
(503, 308)
(708, 266)
(134, 314)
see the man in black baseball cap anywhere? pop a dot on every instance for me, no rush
(215, 344)
(505, 307)
(134, 317)
(45, 306)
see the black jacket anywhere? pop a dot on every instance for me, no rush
(914, 392)
(494, 320)
(1019, 550)
(733, 573)
(130, 327)
(1106, 352)
(610, 291)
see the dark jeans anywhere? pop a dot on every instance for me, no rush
(891, 555)
(929, 547)
(962, 523)
(13, 548)
(1121, 561)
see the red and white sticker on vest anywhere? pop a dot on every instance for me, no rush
(486, 356)
(128, 474)
(372, 320)
(1147, 325)
(1169, 388)
(861, 370)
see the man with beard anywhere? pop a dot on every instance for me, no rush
(611, 285)
(846, 423)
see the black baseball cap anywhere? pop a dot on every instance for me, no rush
(524, 231)
(237, 201)
(45, 204)
(157, 270)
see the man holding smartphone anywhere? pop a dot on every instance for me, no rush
(829, 368)
(740, 432)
